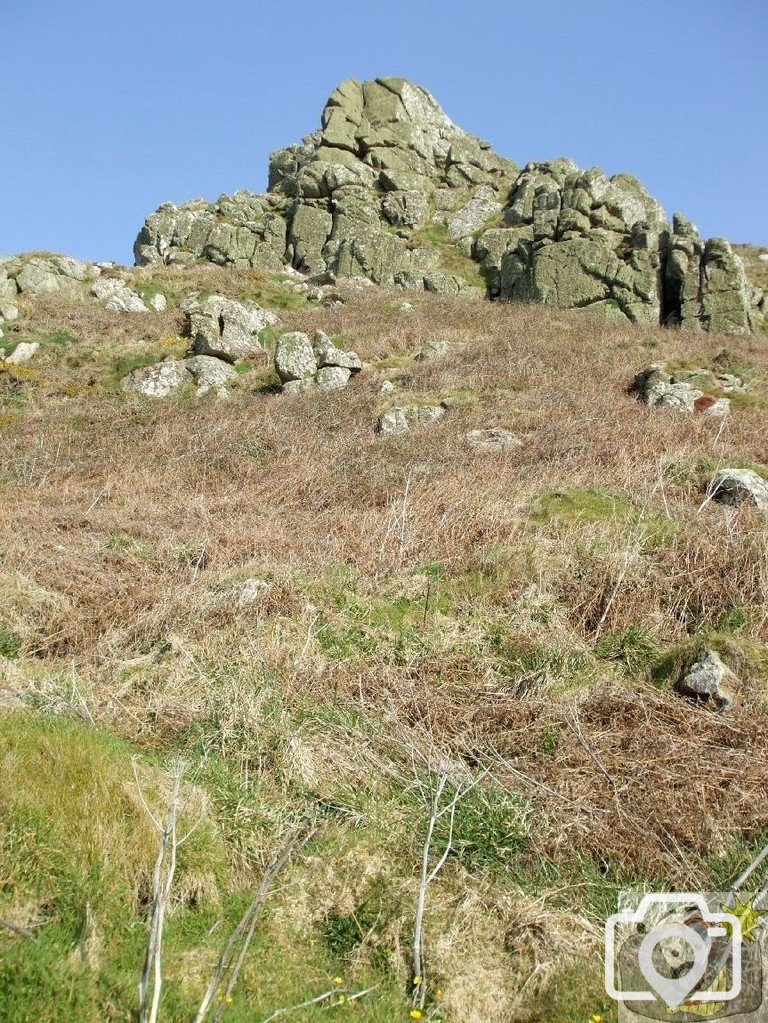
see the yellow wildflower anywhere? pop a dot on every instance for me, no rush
(416, 981)
(338, 981)
(415, 1013)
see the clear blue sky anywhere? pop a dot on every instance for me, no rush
(110, 109)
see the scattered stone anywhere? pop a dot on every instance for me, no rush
(394, 420)
(211, 374)
(299, 386)
(493, 439)
(250, 591)
(295, 357)
(687, 390)
(709, 681)
(158, 302)
(226, 329)
(400, 420)
(739, 486)
(404, 307)
(160, 380)
(435, 350)
(327, 354)
(22, 353)
(387, 387)
(117, 296)
(332, 378)
(9, 312)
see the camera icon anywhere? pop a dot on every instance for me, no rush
(673, 948)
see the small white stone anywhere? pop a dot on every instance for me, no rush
(23, 353)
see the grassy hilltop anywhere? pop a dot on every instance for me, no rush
(513, 619)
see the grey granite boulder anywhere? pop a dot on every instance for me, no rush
(226, 329)
(210, 374)
(160, 380)
(708, 681)
(739, 486)
(117, 296)
(295, 357)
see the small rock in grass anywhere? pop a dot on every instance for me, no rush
(739, 486)
(708, 681)
(493, 439)
(22, 353)
(250, 591)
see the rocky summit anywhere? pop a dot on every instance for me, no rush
(391, 190)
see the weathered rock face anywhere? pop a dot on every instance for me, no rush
(389, 184)
(38, 274)
(350, 198)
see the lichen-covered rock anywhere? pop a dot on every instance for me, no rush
(394, 420)
(360, 196)
(210, 374)
(708, 681)
(332, 378)
(328, 355)
(400, 420)
(471, 217)
(160, 380)
(494, 438)
(226, 329)
(38, 275)
(739, 486)
(706, 287)
(687, 390)
(117, 296)
(295, 357)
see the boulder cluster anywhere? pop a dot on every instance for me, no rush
(303, 365)
(688, 390)
(222, 332)
(390, 189)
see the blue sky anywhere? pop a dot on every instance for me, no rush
(110, 109)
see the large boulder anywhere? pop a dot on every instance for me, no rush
(158, 381)
(303, 365)
(225, 329)
(295, 357)
(41, 274)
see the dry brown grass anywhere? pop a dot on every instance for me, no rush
(138, 516)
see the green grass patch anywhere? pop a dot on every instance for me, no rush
(452, 259)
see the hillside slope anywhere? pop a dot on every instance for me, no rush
(310, 621)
